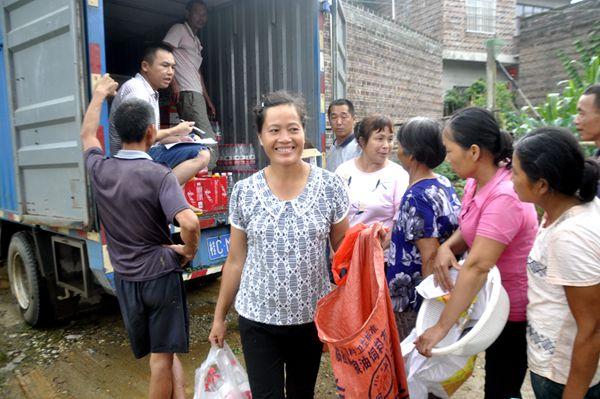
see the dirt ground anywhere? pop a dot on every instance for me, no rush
(89, 357)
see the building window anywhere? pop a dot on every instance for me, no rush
(481, 16)
(524, 10)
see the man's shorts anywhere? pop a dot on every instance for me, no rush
(175, 155)
(155, 314)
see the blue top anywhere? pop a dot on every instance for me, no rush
(428, 209)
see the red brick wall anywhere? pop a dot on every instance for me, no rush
(392, 69)
(540, 39)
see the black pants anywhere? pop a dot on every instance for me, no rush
(506, 362)
(281, 356)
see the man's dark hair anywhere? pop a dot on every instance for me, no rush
(150, 51)
(132, 118)
(422, 138)
(594, 89)
(341, 101)
(192, 3)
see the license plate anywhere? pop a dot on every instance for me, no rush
(218, 247)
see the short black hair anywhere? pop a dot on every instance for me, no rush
(275, 99)
(340, 102)
(192, 3)
(369, 124)
(150, 50)
(595, 90)
(553, 154)
(478, 126)
(422, 138)
(132, 118)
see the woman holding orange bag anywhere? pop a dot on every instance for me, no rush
(375, 183)
(281, 220)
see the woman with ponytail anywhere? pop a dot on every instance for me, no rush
(563, 337)
(497, 229)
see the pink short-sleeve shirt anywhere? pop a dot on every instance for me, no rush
(495, 212)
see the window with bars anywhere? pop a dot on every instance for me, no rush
(481, 16)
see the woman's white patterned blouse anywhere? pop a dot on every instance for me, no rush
(285, 272)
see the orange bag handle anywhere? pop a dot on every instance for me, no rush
(341, 259)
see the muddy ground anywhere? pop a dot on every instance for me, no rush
(89, 357)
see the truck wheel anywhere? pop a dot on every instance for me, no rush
(26, 283)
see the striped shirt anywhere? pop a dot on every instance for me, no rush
(136, 87)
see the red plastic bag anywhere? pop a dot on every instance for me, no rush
(356, 321)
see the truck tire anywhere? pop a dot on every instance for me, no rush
(26, 283)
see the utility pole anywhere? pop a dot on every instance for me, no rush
(491, 74)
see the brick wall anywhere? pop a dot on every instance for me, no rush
(542, 36)
(391, 69)
(456, 36)
(447, 20)
(424, 16)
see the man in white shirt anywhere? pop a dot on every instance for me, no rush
(344, 147)
(156, 72)
(188, 86)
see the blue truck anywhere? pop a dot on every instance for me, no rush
(51, 53)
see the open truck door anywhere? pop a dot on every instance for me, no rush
(45, 61)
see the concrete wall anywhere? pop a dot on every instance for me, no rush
(391, 69)
(544, 3)
(542, 36)
(464, 73)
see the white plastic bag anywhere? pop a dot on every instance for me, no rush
(428, 290)
(439, 375)
(221, 376)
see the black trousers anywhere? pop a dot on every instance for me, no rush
(506, 362)
(282, 361)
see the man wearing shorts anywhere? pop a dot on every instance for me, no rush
(188, 86)
(136, 199)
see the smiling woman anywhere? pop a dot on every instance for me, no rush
(376, 184)
(281, 221)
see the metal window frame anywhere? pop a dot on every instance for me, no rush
(479, 5)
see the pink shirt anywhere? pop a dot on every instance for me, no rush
(495, 212)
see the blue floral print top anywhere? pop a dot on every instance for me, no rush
(428, 209)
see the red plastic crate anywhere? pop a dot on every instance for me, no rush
(208, 193)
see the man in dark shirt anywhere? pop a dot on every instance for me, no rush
(137, 198)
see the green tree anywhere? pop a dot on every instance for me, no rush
(560, 108)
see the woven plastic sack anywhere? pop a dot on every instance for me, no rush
(342, 257)
(221, 376)
(439, 375)
(356, 321)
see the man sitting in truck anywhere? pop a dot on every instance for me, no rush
(137, 198)
(157, 71)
